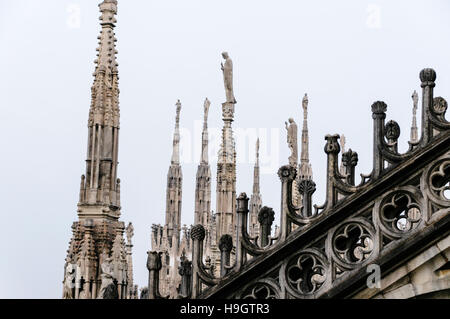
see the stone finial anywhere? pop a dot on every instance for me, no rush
(440, 106)
(379, 108)
(226, 243)
(350, 158)
(332, 145)
(287, 172)
(392, 130)
(242, 203)
(154, 260)
(198, 232)
(427, 77)
(266, 216)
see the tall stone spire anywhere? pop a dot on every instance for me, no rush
(174, 187)
(203, 184)
(98, 235)
(176, 137)
(414, 135)
(305, 169)
(204, 155)
(255, 199)
(226, 164)
(203, 178)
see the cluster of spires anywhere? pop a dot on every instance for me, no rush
(99, 228)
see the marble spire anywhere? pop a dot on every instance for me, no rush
(174, 187)
(202, 213)
(226, 163)
(255, 198)
(97, 251)
(305, 169)
(176, 137)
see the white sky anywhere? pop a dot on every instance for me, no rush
(344, 54)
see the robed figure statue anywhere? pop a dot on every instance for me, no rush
(227, 70)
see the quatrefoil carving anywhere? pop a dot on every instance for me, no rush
(261, 290)
(306, 272)
(353, 243)
(400, 212)
(440, 181)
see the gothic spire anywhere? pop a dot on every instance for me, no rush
(255, 199)
(204, 155)
(176, 137)
(305, 167)
(99, 228)
(414, 134)
(203, 179)
(107, 47)
(256, 170)
(100, 184)
(174, 188)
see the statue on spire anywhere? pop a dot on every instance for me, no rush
(227, 70)
(176, 136)
(291, 129)
(305, 106)
(257, 152)
(206, 106)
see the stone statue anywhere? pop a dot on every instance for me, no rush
(107, 286)
(130, 232)
(305, 104)
(206, 106)
(227, 69)
(69, 281)
(415, 98)
(292, 141)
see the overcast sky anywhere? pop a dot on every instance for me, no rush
(344, 54)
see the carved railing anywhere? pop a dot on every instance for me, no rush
(394, 208)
